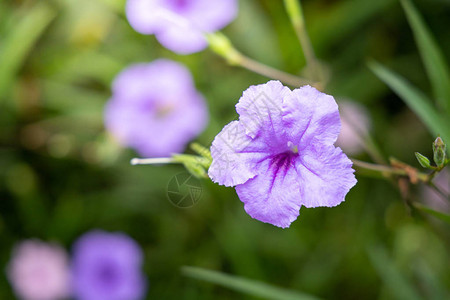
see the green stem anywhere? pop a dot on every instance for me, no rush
(294, 10)
(387, 171)
(222, 46)
(273, 73)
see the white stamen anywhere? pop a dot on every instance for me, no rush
(151, 161)
(293, 147)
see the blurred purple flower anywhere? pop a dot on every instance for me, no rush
(280, 154)
(433, 198)
(107, 266)
(355, 127)
(179, 25)
(39, 271)
(155, 108)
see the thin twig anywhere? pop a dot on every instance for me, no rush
(273, 73)
(222, 46)
(388, 170)
(295, 12)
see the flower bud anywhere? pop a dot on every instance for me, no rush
(439, 148)
(423, 160)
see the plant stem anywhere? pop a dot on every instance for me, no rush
(273, 73)
(222, 46)
(295, 12)
(387, 171)
(152, 161)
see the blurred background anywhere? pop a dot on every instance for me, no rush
(62, 175)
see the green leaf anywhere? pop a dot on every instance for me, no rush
(432, 56)
(440, 215)
(432, 283)
(391, 276)
(244, 285)
(20, 41)
(414, 98)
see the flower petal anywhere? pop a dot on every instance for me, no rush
(155, 108)
(310, 117)
(160, 78)
(152, 135)
(212, 15)
(235, 155)
(146, 16)
(182, 39)
(273, 196)
(325, 175)
(260, 107)
(355, 121)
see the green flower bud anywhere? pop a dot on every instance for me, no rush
(423, 160)
(439, 148)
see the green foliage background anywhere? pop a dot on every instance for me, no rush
(62, 175)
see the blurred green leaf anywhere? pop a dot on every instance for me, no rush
(415, 99)
(72, 99)
(116, 5)
(343, 17)
(431, 282)
(20, 41)
(432, 56)
(247, 286)
(440, 215)
(391, 276)
(251, 30)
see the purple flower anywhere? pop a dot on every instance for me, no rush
(433, 198)
(280, 154)
(155, 108)
(179, 25)
(355, 127)
(39, 271)
(107, 266)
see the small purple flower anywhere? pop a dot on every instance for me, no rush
(280, 154)
(107, 266)
(355, 127)
(155, 108)
(433, 198)
(179, 25)
(39, 271)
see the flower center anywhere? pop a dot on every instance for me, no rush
(107, 274)
(163, 110)
(178, 5)
(292, 147)
(283, 160)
